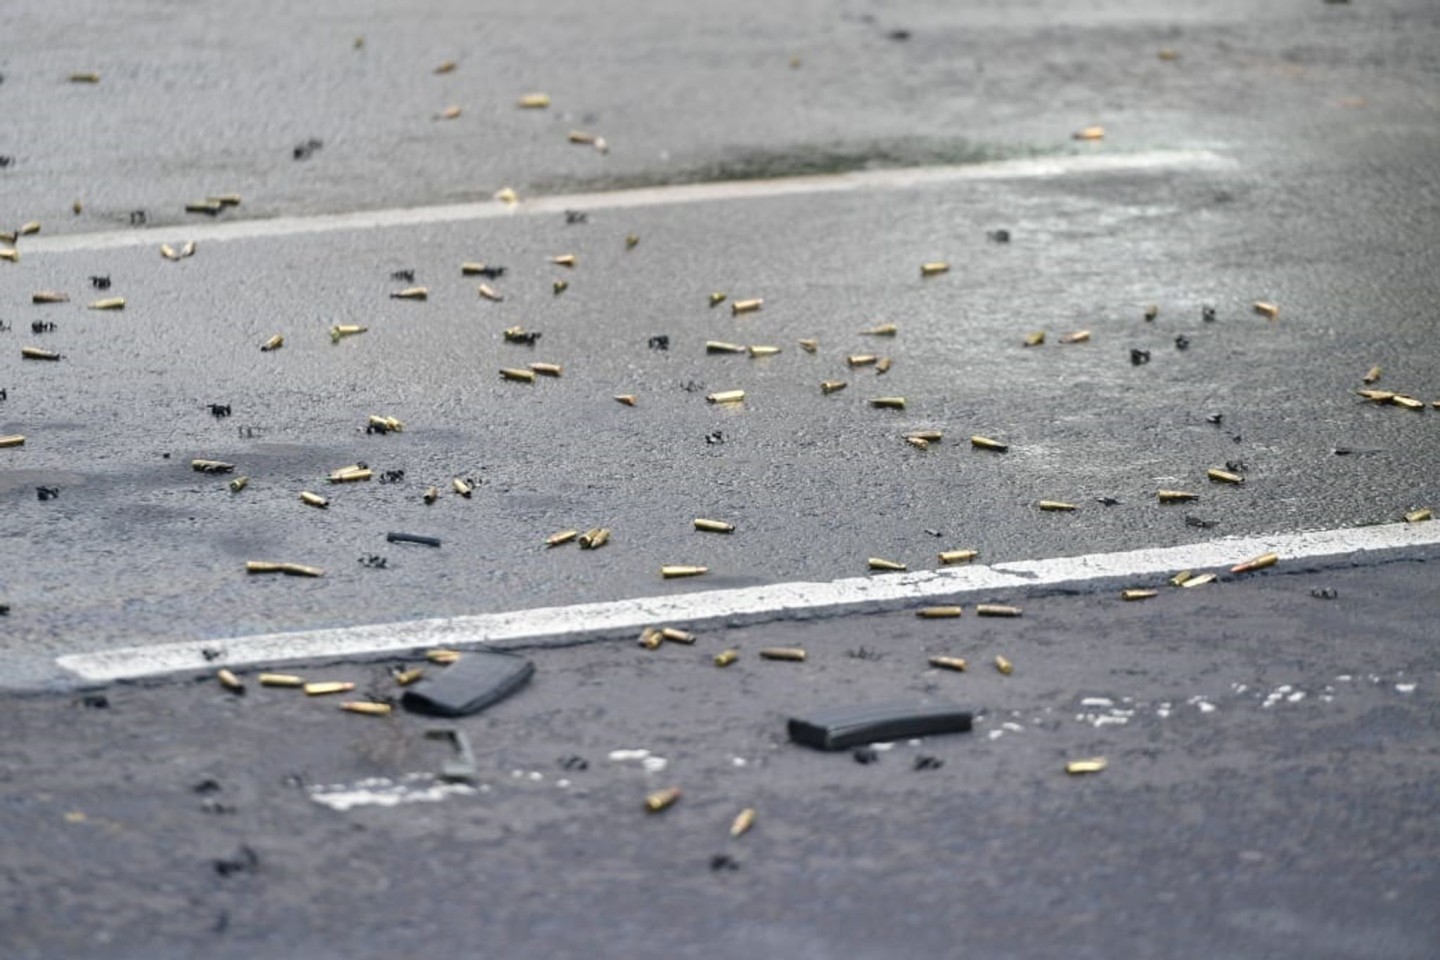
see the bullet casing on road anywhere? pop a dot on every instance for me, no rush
(794, 654)
(411, 293)
(661, 799)
(1266, 309)
(828, 387)
(430, 495)
(676, 635)
(1178, 580)
(726, 657)
(919, 443)
(746, 306)
(726, 396)
(404, 678)
(628, 399)
(13, 440)
(313, 499)
(229, 681)
(720, 346)
(996, 610)
(564, 260)
(1004, 665)
(651, 638)
(1090, 133)
(957, 664)
(442, 656)
(37, 353)
(546, 369)
(1139, 594)
(558, 287)
(880, 563)
(1224, 476)
(1371, 376)
(1419, 516)
(1079, 336)
(809, 345)
(860, 359)
(985, 443)
(1256, 563)
(327, 687)
(1088, 765)
(934, 268)
(888, 403)
(743, 821)
(367, 708)
(948, 557)
(49, 296)
(351, 474)
(562, 536)
(595, 538)
(682, 570)
(939, 613)
(280, 680)
(714, 526)
(1035, 339)
(342, 330)
(882, 365)
(1176, 496)
(1199, 581)
(716, 299)
(1056, 505)
(884, 330)
(274, 343)
(109, 303)
(211, 466)
(463, 487)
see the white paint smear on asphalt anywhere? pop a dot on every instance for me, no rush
(747, 605)
(858, 181)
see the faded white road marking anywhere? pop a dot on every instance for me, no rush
(857, 181)
(747, 605)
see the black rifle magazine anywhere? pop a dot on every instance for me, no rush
(475, 681)
(840, 728)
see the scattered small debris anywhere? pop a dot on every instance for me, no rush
(1207, 313)
(1139, 357)
(714, 437)
(243, 860)
(1324, 593)
(138, 218)
(573, 217)
(41, 493)
(865, 755)
(925, 761)
(1182, 342)
(998, 236)
(1200, 522)
(659, 342)
(374, 561)
(219, 410)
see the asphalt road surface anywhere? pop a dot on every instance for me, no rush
(1279, 153)
(1270, 792)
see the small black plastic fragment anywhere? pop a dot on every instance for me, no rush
(219, 410)
(1200, 522)
(1107, 501)
(394, 537)
(723, 861)
(461, 768)
(865, 755)
(659, 342)
(4, 609)
(46, 493)
(100, 281)
(844, 727)
(925, 761)
(999, 236)
(137, 219)
(404, 276)
(475, 681)
(1138, 357)
(1324, 593)
(576, 216)
(1215, 418)
(1182, 342)
(1207, 313)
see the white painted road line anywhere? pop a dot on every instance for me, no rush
(748, 605)
(858, 181)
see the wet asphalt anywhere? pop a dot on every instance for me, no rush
(1270, 792)
(1271, 825)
